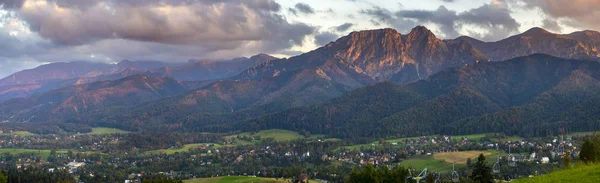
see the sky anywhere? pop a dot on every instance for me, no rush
(35, 32)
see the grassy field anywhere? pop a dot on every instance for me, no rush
(185, 148)
(442, 162)
(582, 133)
(42, 153)
(581, 173)
(19, 133)
(278, 135)
(104, 131)
(239, 179)
(459, 157)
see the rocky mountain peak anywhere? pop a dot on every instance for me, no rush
(536, 31)
(421, 31)
(262, 57)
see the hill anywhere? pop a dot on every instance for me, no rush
(581, 173)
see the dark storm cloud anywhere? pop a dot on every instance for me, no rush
(167, 30)
(218, 23)
(305, 8)
(344, 27)
(494, 17)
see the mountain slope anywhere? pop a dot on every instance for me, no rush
(71, 101)
(53, 71)
(577, 45)
(472, 99)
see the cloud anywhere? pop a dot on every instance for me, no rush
(344, 27)
(293, 11)
(443, 17)
(40, 31)
(384, 16)
(11, 4)
(325, 38)
(494, 18)
(580, 13)
(305, 8)
(195, 23)
(551, 25)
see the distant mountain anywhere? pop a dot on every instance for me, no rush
(53, 71)
(57, 75)
(528, 96)
(71, 101)
(577, 45)
(210, 70)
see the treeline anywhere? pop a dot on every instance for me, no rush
(34, 174)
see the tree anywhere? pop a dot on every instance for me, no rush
(482, 172)
(588, 151)
(3, 178)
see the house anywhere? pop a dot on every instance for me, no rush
(74, 165)
(545, 160)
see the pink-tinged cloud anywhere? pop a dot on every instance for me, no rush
(578, 13)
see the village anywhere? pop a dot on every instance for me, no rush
(90, 156)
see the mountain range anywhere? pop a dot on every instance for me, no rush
(374, 83)
(58, 75)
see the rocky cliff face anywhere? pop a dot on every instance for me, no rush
(376, 55)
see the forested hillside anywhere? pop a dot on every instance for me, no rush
(524, 96)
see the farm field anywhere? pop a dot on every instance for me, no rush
(580, 173)
(239, 179)
(278, 135)
(185, 148)
(43, 153)
(19, 133)
(105, 131)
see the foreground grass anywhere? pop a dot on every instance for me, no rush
(106, 131)
(580, 174)
(185, 148)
